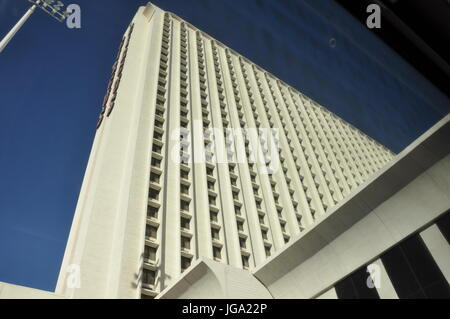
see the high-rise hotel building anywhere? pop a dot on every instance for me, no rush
(210, 177)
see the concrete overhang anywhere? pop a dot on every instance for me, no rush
(424, 152)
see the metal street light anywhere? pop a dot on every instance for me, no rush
(52, 7)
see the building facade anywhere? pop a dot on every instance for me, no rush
(201, 153)
(211, 178)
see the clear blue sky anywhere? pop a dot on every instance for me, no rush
(52, 82)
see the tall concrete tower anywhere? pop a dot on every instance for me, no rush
(199, 153)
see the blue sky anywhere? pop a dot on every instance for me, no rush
(53, 79)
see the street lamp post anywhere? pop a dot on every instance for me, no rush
(52, 7)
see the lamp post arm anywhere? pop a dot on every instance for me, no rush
(16, 28)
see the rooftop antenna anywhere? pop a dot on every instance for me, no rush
(52, 7)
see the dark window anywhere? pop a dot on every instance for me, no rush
(413, 271)
(185, 223)
(152, 212)
(154, 177)
(215, 233)
(153, 194)
(261, 219)
(264, 234)
(184, 174)
(216, 252)
(150, 253)
(245, 263)
(185, 263)
(151, 231)
(156, 162)
(148, 277)
(444, 225)
(185, 242)
(184, 205)
(213, 216)
(184, 189)
(355, 286)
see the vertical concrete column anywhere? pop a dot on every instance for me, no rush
(304, 208)
(279, 175)
(249, 205)
(439, 248)
(275, 228)
(229, 222)
(386, 290)
(201, 205)
(171, 221)
(132, 236)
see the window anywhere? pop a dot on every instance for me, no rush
(156, 162)
(413, 271)
(148, 277)
(245, 262)
(240, 226)
(264, 234)
(261, 219)
(151, 231)
(444, 225)
(210, 171)
(153, 194)
(184, 174)
(267, 249)
(236, 195)
(152, 212)
(185, 263)
(242, 242)
(184, 205)
(215, 233)
(150, 253)
(211, 185)
(156, 148)
(355, 286)
(216, 253)
(185, 243)
(212, 200)
(237, 210)
(158, 135)
(158, 124)
(214, 217)
(185, 223)
(184, 189)
(154, 177)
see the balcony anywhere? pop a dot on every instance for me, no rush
(150, 264)
(152, 242)
(186, 252)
